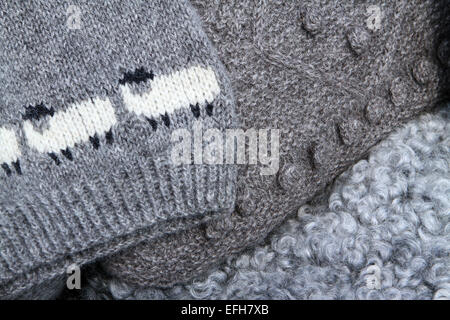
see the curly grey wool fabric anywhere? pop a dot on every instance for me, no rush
(335, 77)
(89, 96)
(387, 216)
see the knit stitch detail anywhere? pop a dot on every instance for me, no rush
(334, 81)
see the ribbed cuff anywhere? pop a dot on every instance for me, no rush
(47, 228)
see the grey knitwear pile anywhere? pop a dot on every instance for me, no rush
(381, 232)
(335, 77)
(89, 96)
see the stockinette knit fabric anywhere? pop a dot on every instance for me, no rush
(89, 96)
(380, 232)
(335, 77)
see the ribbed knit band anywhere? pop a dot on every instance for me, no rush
(89, 97)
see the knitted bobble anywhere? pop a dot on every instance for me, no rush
(225, 224)
(443, 52)
(245, 203)
(216, 229)
(399, 92)
(211, 232)
(291, 175)
(322, 152)
(375, 110)
(424, 71)
(312, 21)
(359, 39)
(351, 131)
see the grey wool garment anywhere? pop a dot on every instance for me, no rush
(334, 77)
(381, 231)
(90, 95)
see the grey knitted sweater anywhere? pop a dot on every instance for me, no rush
(89, 96)
(335, 77)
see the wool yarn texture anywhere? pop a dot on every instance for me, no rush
(335, 78)
(90, 96)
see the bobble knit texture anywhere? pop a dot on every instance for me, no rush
(332, 81)
(86, 116)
